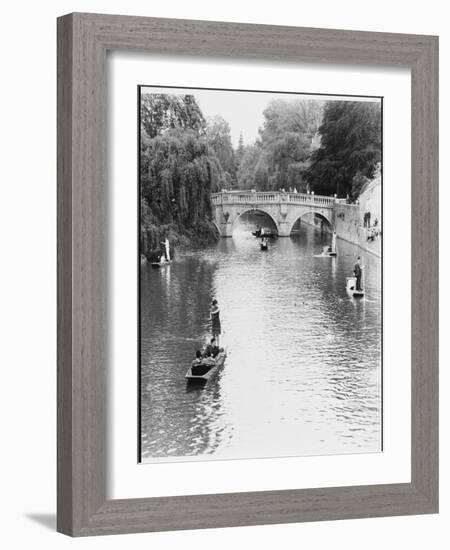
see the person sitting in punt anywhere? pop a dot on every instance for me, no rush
(198, 359)
(215, 351)
(207, 348)
(208, 360)
(212, 348)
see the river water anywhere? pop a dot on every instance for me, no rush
(303, 369)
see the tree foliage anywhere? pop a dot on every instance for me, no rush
(179, 170)
(162, 112)
(219, 138)
(246, 171)
(279, 158)
(350, 146)
(239, 151)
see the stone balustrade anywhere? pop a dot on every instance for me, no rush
(270, 197)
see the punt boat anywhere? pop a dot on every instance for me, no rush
(202, 373)
(326, 253)
(268, 234)
(351, 288)
(161, 263)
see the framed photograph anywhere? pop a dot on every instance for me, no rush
(247, 274)
(277, 258)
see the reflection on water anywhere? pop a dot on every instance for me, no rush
(303, 371)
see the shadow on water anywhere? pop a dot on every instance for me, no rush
(195, 385)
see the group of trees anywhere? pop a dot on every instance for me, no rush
(183, 159)
(350, 148)
(324, 146)
(279, 157)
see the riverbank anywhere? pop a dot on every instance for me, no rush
(350, 228)
(361, 223)
(181, 236)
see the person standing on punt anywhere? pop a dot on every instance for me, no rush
(165, 251)
(166, 248)
(358, 272)
(215, 321)
(333, 242)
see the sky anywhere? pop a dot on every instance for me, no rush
(242, 110)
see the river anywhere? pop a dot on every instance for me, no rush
(303, 370)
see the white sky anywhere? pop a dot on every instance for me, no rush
(242, 110)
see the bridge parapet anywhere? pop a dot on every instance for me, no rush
(271, 197)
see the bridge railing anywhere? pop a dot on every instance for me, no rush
(270, 197)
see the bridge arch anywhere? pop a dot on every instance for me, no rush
(313, 213)
(283, 209)
(262, 210)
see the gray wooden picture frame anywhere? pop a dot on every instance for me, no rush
(83, 41)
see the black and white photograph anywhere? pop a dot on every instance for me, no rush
(260, 274)
(221, 282)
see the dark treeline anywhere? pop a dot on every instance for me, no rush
(322, 146)
(181, 165)
(350, 148)
(326, 147)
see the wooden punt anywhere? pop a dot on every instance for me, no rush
(351, 288)
(161, 263)
(209, 373)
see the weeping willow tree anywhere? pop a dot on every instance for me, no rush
(178, 172)
(279, 158)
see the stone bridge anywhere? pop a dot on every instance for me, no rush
(283, 208)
